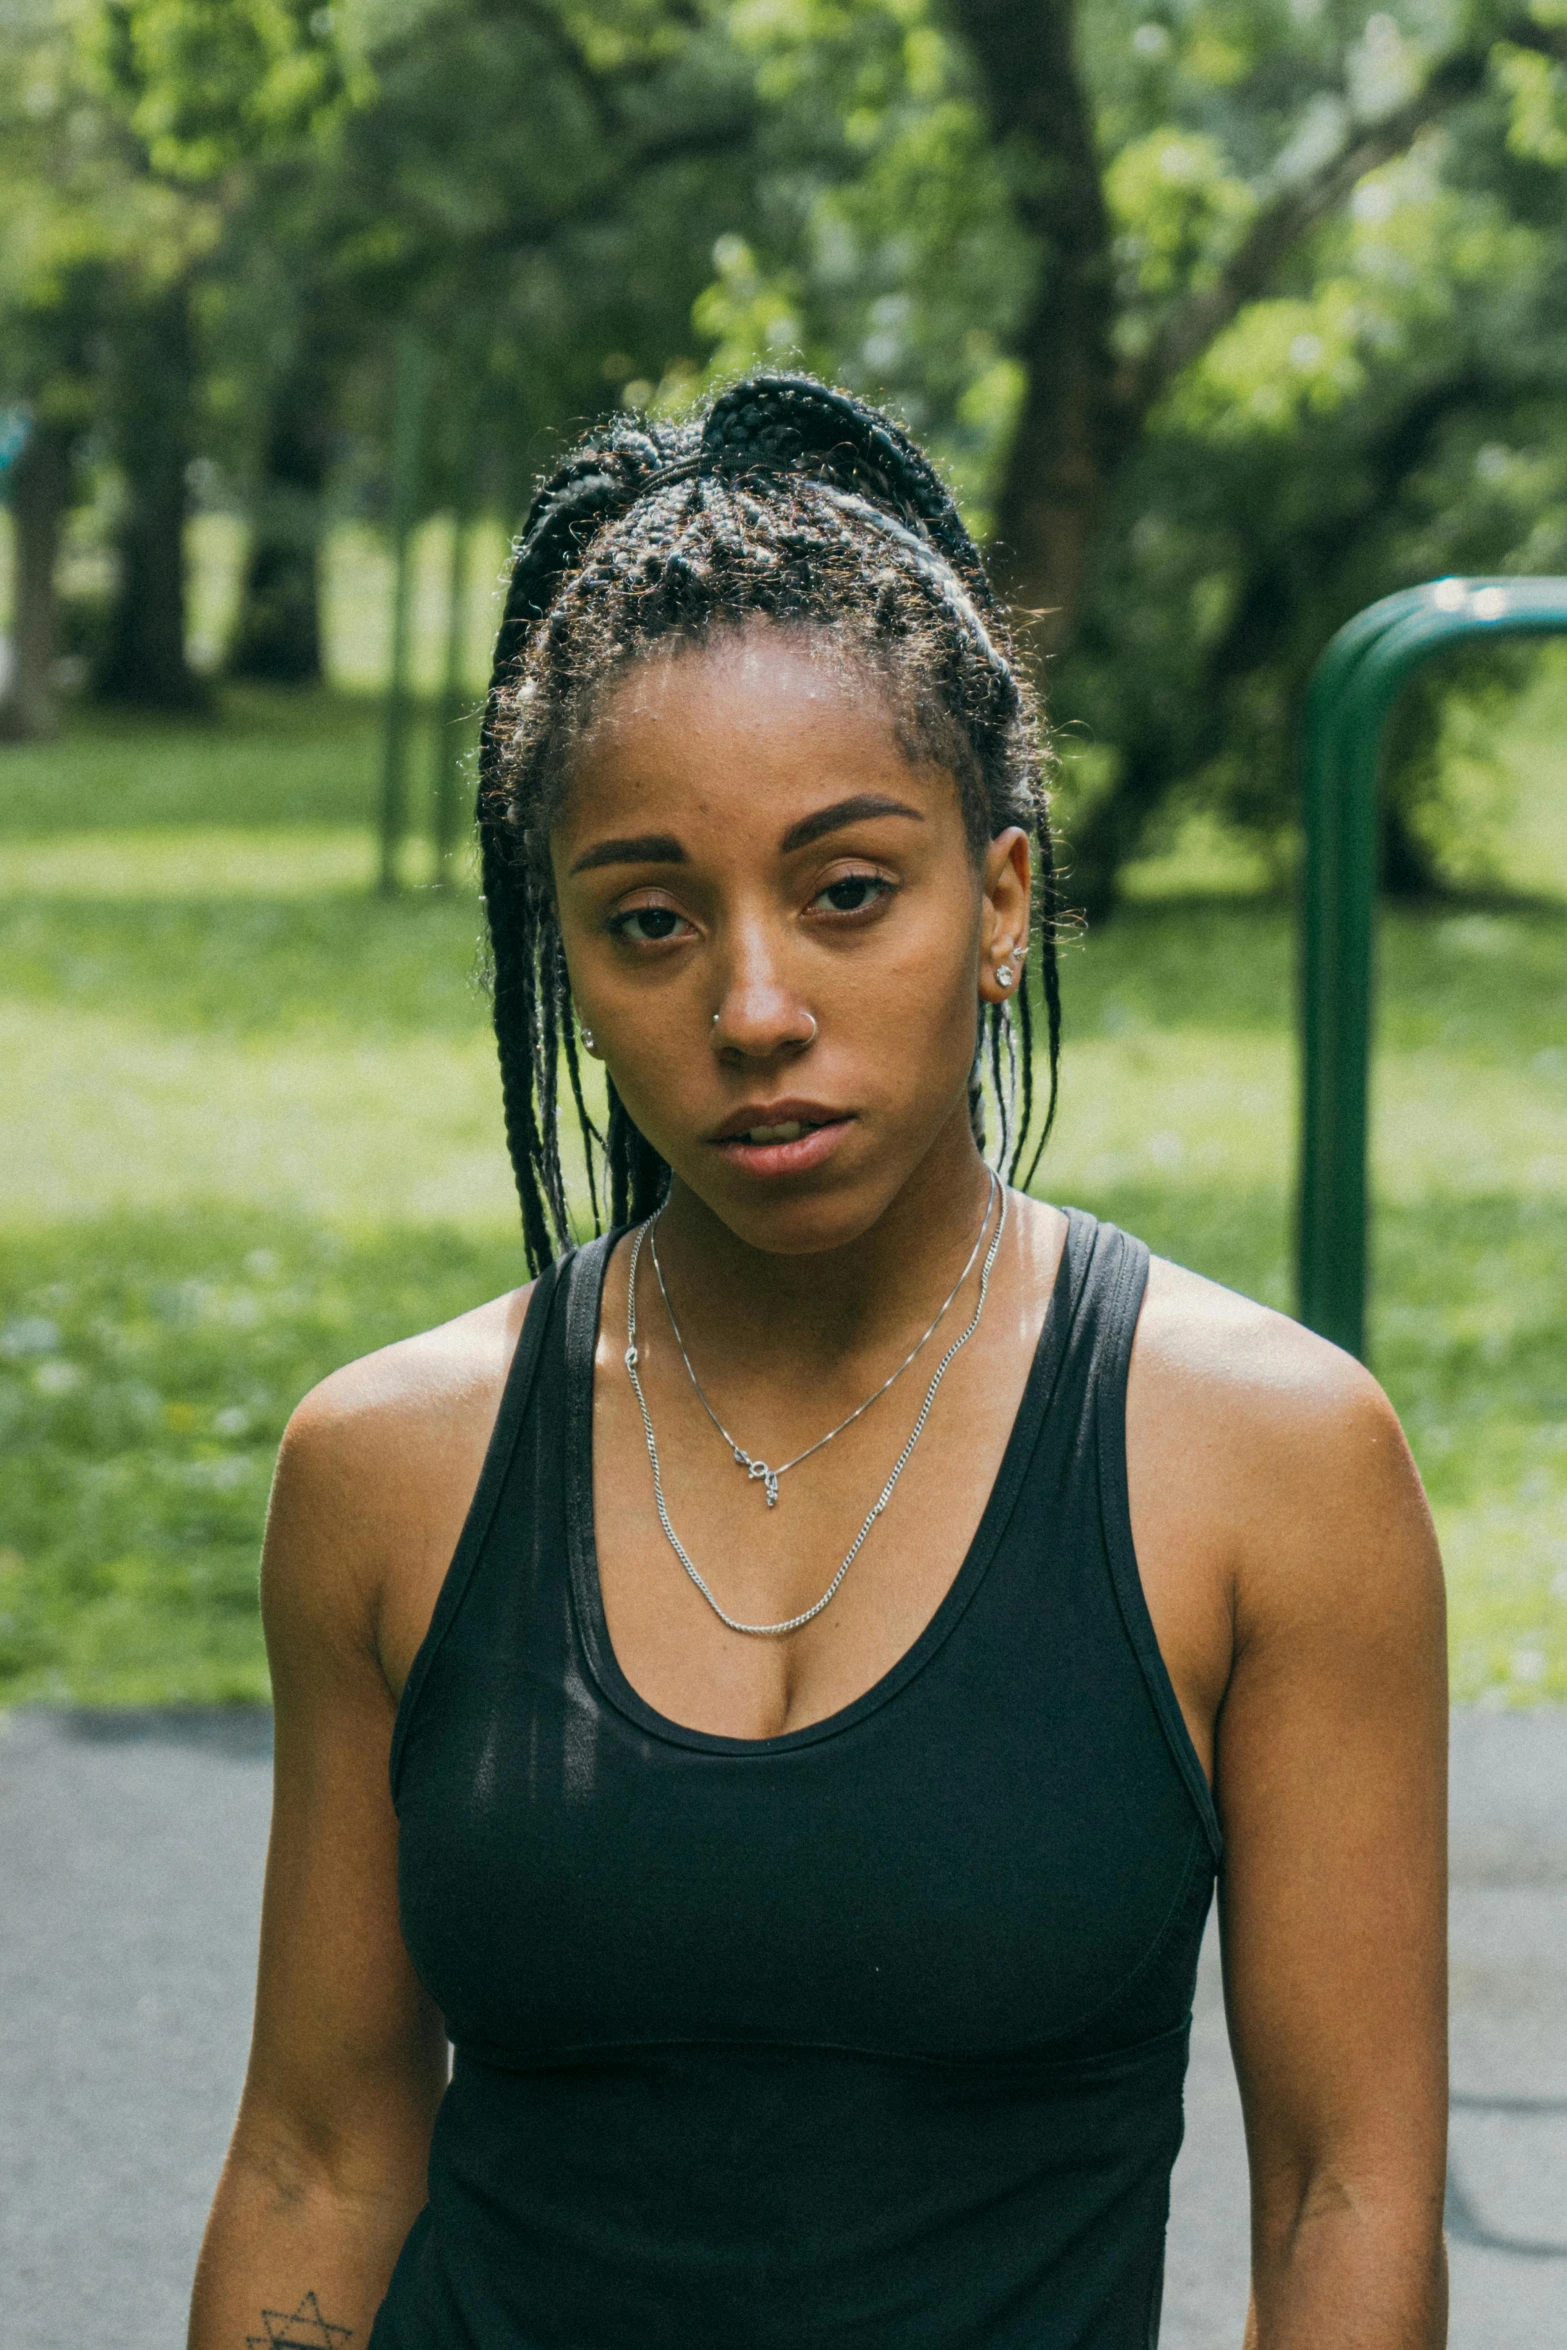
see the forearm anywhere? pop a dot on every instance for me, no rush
(1342, 2271)
(293, 2239)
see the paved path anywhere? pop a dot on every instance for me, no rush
(130, 1850)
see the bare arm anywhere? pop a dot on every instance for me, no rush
(1332, 1776)
(1329, 1749)
(326, 2171)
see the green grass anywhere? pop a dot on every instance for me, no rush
(260, 761)
(252, 1128)
(150, 1362)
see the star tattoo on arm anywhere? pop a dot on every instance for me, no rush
(303, 2328)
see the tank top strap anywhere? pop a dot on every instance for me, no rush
(510, 1419)
(571, 1368)
(1107, 1281)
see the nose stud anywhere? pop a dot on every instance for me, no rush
(801, 1041)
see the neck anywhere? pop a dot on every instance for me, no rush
(831, 1303)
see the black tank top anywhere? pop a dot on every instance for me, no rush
(868, 2036)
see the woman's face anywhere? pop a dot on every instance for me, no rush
(777, 933)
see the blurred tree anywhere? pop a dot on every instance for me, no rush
(60, 198)
(1188, 187)
(150, 383)
(1225, 315)
(199, 92)
(39, 492)
(537, 189)
(278, 633)
(1196, 297)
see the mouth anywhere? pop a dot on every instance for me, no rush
(785, 1138)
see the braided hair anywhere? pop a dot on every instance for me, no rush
(789, 501)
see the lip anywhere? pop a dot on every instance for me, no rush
(828, 1128)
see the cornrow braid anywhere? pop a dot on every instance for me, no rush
(789, 501)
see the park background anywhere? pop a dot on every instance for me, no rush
(1223, 316)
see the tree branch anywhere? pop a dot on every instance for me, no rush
(1290, 215)
(682, 143)
(693, 141)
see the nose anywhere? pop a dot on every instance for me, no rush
(760, 1014)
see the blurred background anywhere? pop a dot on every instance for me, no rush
(1224, 317)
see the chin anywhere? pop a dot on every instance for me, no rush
(803, 1232)
(795, 1222)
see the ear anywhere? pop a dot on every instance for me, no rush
(1006, 899)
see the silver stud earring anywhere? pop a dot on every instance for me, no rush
(1004, 975)
(587, 1036)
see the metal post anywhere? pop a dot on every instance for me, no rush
(410, 397)
(1352, 694)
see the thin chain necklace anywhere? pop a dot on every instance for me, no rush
(793, 1623)
(758, 1471)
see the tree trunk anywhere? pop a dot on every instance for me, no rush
(1408, 870)
(38, 504)
(143, 663)
(278, 637)
(1070, 435)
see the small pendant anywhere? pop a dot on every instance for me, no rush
(759, 1473)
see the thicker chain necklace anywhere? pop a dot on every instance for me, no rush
(758, 1471)
(793, 1623)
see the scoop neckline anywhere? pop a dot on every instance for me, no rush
(585, 1275)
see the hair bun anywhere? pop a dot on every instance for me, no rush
(783, 422)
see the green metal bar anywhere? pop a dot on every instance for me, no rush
(1336, 906)
(1352, 695)
(411, 392)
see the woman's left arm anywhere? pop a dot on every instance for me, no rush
(1330, 1755)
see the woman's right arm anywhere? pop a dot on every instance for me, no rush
(326, 2171)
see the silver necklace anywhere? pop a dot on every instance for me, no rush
(793, 1623)
(757, 1471)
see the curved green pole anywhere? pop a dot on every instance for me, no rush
(1352, 693)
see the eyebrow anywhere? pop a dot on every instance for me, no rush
(662, 848)
(842, 812)
(641, 848)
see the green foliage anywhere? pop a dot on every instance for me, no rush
(73, 216)
(1179, 207)
(1536, 88)
(584, 203)
(206, 83)
(886, 251)
(1378, 410)
(147, 1366)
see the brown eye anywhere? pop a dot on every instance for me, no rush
(647, 925)
(853, 894)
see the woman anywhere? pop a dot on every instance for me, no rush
(809, 1868)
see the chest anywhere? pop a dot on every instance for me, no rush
(901, 1493)
(991, 1852)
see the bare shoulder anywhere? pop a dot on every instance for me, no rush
(408, 1392)
(1221, 1361)
(1284, 1447)
(376, 1472)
